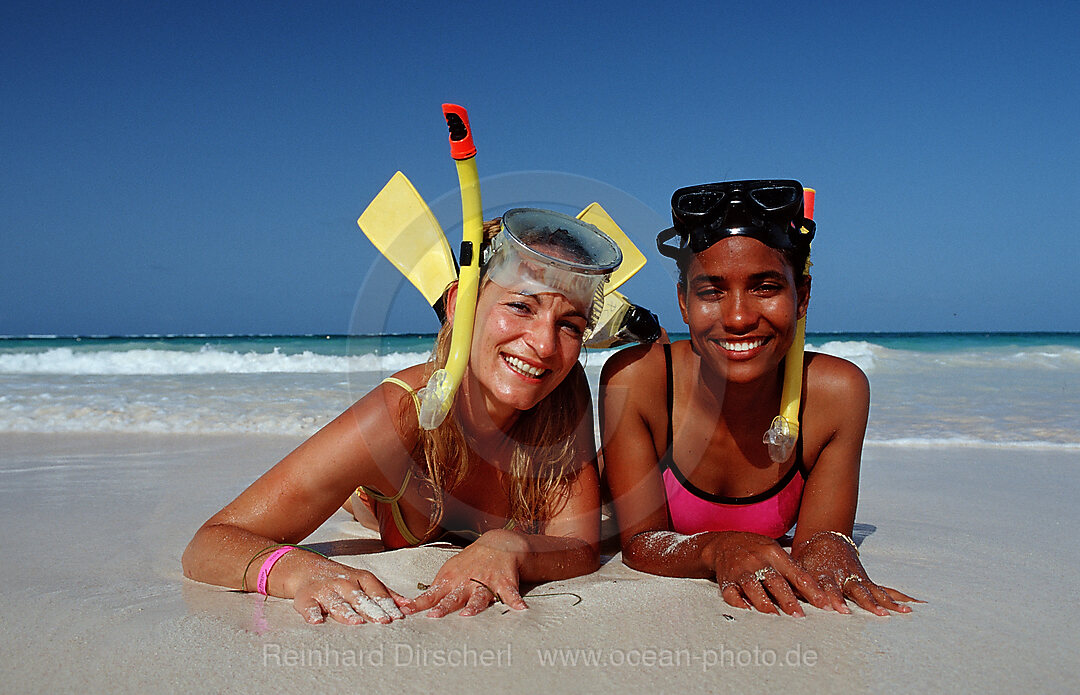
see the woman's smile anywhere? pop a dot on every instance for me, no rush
(740, 349)
(741, 303)
(523, 368)
(525, 346)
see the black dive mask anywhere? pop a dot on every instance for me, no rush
(770, 211)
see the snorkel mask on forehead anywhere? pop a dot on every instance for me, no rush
(537, 251)
(770, 210)
(543, 251)
(779, 214)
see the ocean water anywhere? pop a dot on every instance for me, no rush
(1005, 389)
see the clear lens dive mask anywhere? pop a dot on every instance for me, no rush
(544, 251)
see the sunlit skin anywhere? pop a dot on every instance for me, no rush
(740, 303)
(371, 445)
(529, 343)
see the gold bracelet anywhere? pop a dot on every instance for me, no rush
(847, 539)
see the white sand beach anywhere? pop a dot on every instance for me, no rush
(93, 598)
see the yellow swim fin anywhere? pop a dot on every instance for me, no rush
(633, 258)
(402, 227)
(621, 322)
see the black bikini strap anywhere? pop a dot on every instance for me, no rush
(670, 396)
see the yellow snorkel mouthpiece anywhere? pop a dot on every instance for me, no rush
(784, 432)
(437, 397)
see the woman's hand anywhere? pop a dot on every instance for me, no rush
(351, 597)
(833, 559)
(754, 571)
(471, 580)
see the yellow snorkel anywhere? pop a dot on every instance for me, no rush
(437, 397)
(784, 432)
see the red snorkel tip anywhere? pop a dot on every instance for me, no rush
(808, 203)
(461, 142)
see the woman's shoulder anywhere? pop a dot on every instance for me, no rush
(408, 380)
(835, 371)
(634, 363)
(637, 378)
(390, 407)
(833, 382)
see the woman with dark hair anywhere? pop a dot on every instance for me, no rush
(695, 489)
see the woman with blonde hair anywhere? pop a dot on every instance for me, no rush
(513, 466)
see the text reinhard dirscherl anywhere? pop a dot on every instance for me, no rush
(397, 655)
(404, 655)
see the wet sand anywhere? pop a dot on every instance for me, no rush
(93, 598)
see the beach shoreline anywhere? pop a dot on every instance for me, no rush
(91, 580)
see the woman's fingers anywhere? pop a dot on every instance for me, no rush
(782, 593)
(871, 597)
(512, 598)
(341, 610)
(374, 591)
(370, 598)
(431, 596)
(834, 559)
(835, 594)
(763, 590)
(756, 594)
(309, 608)
(808, 587)
(899, 595)
(390, 606)
(732, 595)
(883, 599)
(778, 581)
(449, 603)
(470, 598)
(369, 608)
(858, 591)
(348, 600)
(480, 599)
(399, 600)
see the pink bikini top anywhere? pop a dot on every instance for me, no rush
(771, 513)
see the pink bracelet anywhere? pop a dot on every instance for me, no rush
(264, 571)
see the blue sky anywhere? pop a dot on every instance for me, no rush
(199, 167)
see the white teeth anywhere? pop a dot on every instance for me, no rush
(524, 368)
(742, 346)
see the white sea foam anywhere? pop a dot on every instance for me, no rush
(145, 420)
(972, 394)
(1051, 358)
(213, 360)
(65, 360)
(860, 352)
(970, 442)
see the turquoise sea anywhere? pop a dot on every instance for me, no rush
(928, 389)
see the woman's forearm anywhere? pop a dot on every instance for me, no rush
(220, 553)
(551, 557)
(541, 558)
(671, 554)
